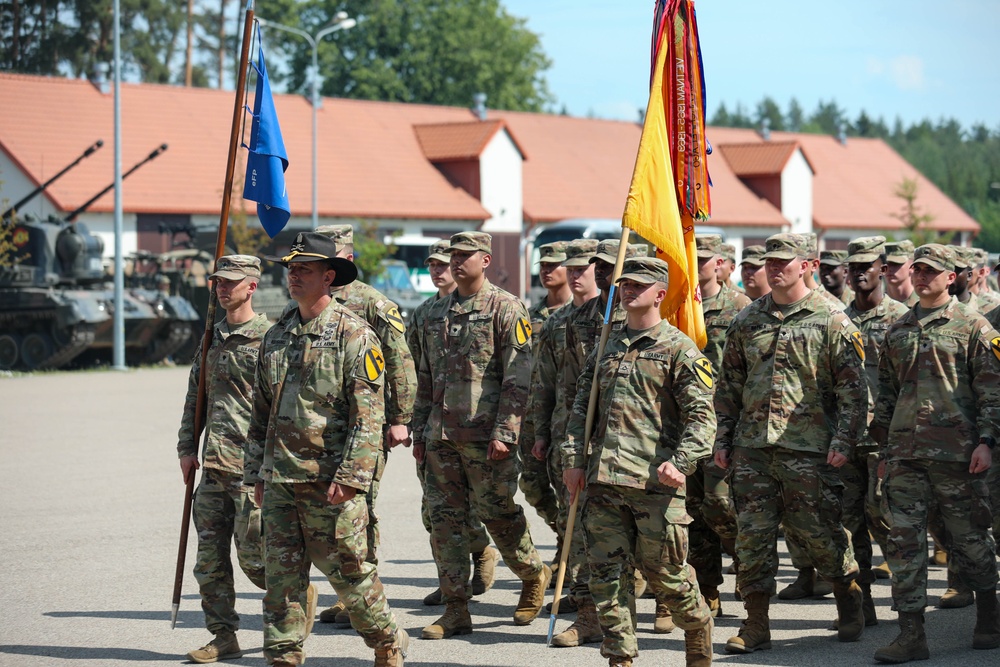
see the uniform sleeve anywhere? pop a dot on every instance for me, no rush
(850, 385)
(543, 385)
(515, 360)
(984, 368)
(187, 439)
(692, 388)
(413, 337)
(422, 402)
(573, 450)
(887, 390)
(729, 391)
(260, 415)
(572, 365)
(364, 381)
(400, 372)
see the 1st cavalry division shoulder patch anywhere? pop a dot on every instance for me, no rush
(703, 369)
(522, 331)
(374, 364)
(995, 346)
(859, 344)
(395, 319)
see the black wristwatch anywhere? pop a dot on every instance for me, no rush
(989, 441)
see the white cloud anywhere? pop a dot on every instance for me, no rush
(875, 66)
(907, 72)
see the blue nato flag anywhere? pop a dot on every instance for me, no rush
(267, 159)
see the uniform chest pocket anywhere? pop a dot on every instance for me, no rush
(475, 337)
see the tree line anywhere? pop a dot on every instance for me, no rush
(963, 162)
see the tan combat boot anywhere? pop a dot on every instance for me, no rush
(806, 585)
(957, 596)
(755, 633)
(641, 585)
(663, 624)
(312, 597)
(911, 644)
(484, 570)
(882, 571)
(698, 646)
(393, 655)
(223, 647)
(567, 605)
(456, 621)
(850, 613)
(619, 661)
(433, 599)
(712, 599)
(337, 614)
(532, 597)
(987, 632)
(585, 630)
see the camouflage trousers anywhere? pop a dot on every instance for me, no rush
(478, 538)
(799, 490)
(713, 525)
(963, 500)
(371, 495)
(535, 483)
(628, 529)
(993, 479)
(301, 529)
(462, 481)
(224, 512)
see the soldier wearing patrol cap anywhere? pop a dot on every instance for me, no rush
(939, 354)
(472, 392)
(898, 259)
(833, 274)
(988, 299)
(728, 252)
(654, 422)
(400, 380)
(752, 272)
(484, 557)
(791, 404)
(223, 508)
(812, 242)
(313, 444)
(963, 277)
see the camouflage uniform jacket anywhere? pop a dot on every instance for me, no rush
(583, 333)
(939, 384)
(383, 316)
(475, 368)
(654, 404)
(988, 301)
(232, 360)
(318, 406)
(719, 312)
(418, 318)
(793, 380)
(837, 303)
(548, 398)
(538, 314)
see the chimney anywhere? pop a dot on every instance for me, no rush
(765, 129)
(479, 105)
(842, 133)
(99, 78)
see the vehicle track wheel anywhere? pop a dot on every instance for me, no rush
(35, 349)
(10, 351)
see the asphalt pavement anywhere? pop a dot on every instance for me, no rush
(90, 519)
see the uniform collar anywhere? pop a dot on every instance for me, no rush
(474, 303)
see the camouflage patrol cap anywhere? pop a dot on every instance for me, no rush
(236, 267)
(638, 250)
(753, 255)
(315, 247)
(935, 255)
(786, 246)
(708, 245)
(729, 251)
(982, 257)
(833, 257)
(472, 242)
(579, 252)
(813, 246)
(645, 270)
(866, 249)
(552, 253)
(342, 235)
(964, 257)
(898, 252)
(607, 251)
(439, 250)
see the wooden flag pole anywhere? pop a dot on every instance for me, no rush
(220, 244)
(588, 429)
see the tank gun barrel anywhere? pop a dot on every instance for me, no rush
(6, 215)
(83, 207)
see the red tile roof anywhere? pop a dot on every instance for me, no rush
(758, 159)
(443, 142)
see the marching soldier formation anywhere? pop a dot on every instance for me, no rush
(855, 414)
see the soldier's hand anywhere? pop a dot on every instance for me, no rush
(258, 494)
(338, 493)
(574, 480)
(722, 458)
(497, 451)
(399, 434)
(419, 451)
(670, 475)
(982, 458)
(540, 450)
(188, 465)
(836, 459)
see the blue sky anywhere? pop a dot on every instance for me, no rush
(914, 59)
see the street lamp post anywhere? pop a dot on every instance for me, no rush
(341, 21)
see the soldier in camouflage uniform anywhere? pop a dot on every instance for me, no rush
(714, 520)
(223, 508)
(899, 258)
(810, 278)
(993, 476)
(791, 404)
(313, 445)
(484, 557)
(833, 274)
(988, 299)
(534, 481)
(728, 252)
(473, 389)
(936, 419)
(654, 413)
(549, 403)
(873, 314)
(400, 381)
(752, 272)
